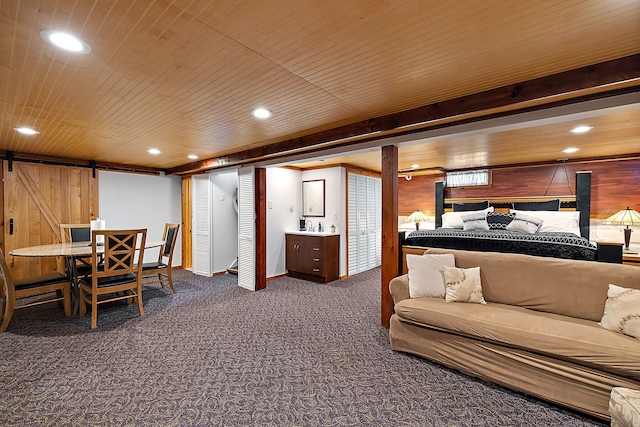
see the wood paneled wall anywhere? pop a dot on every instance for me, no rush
(615, 185)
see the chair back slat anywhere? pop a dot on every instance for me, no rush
(119, 252)
(75, 233)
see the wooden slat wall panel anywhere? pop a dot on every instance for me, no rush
(614, 186)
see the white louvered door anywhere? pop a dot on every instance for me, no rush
(364, 210)
(246, 228)
(201, 226)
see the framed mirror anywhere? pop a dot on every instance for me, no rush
(313, 197)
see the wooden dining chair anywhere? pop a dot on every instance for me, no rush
(75, 233)
(17, 291)
(114, 275)
(162, 267)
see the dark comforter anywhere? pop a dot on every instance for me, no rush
(557, 245)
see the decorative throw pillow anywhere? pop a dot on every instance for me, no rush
(463, 285)
(476, 221)
(556, 222)
(466, 207)
(498, 220)
(426, 276)
(550, 205)
(622, 311)
(454, 219)
(525, 223)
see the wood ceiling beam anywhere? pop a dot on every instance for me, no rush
(617, 76)
(64, 161)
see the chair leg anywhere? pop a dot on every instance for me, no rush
(7, 313)
(139, 299)
(82, 304)
(66, 294)
(94, 310)
(170, 280)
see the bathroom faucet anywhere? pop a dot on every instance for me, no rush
(310, 225)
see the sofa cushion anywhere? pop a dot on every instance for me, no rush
(575, 340)
(568, 287)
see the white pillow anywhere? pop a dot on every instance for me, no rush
(524, 223)
(426, 277)
(476, 221)
(622, 311)
(454, 219)
(463, 285)
(556, 222)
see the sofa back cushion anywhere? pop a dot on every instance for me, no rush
(553, 285)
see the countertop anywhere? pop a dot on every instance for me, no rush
(311, 233)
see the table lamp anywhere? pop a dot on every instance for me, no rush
(417, 217)
(625, 217)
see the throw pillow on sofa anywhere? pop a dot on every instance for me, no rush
(426, 275)
(622, 311)
(463, 285)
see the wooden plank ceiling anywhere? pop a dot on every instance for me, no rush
(183, 76)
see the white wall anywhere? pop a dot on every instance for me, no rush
(129, 200)
(284, 192)
(225, 221)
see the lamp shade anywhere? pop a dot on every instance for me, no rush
(624, 217)
(417, 216)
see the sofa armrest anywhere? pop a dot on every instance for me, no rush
(399, 288)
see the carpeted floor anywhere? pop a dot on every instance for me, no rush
(213, 354)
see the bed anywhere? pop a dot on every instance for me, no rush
(537, 225)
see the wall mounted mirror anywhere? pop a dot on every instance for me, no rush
(313, 197)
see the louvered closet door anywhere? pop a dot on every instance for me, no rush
(201, 225)
(371, 223)
(363, 235)
(246, 228)
(352, 217)
(377, 208)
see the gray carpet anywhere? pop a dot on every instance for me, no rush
(295, 354)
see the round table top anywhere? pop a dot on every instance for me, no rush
(77, 249)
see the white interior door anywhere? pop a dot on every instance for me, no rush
(201, 225)
(246, 228)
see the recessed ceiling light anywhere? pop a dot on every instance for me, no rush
(65, 41)
(262, 113)
(570, 150)
(416, 166)
(153, 151)
(26, 131)
(581, 129)
(192, 156)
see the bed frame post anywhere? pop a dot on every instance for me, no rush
(583, 201)
(439, 202)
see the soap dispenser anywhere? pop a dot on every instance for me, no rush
(319, 227)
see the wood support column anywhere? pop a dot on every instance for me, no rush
(261, 227)
(390, 249)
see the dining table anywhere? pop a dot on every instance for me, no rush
(71, 252)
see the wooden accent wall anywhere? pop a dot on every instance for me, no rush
(615, 185)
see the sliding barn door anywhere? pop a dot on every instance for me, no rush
(37, 199)
(246, 228)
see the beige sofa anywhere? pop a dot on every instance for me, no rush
(538, 332)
